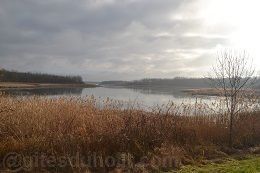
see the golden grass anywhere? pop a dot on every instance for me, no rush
(69, 125)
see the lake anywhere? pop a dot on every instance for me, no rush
(144, 96)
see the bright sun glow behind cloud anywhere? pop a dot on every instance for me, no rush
(241, 17)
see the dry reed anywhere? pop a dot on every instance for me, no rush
(69, 125)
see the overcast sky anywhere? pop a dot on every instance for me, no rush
(124, 39)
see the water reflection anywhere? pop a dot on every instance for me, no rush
(177, 92)
(44, 91)
(143, 96)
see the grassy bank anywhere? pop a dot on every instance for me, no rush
(18, 85)
(161, 139)
(246, 165)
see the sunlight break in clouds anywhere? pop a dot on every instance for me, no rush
(241, 17)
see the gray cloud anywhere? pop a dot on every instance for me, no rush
(104, 40)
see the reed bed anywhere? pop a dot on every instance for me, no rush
(63, 127)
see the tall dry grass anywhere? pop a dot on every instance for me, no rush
(70, 125)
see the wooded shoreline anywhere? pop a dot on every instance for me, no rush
(21, 85)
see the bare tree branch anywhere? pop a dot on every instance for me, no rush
(232, 74)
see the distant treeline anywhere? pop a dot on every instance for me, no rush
(164, 83)
(14, 76)
(177, 82)
(157, 82)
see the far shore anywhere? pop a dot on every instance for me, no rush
(215, 92)
(23, 85)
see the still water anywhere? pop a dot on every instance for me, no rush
(143, 96)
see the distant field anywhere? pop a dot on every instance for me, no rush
(17, 85)
(213, 92)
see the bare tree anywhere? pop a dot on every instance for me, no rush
(232, 77)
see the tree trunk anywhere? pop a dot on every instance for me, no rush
(231, 129)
